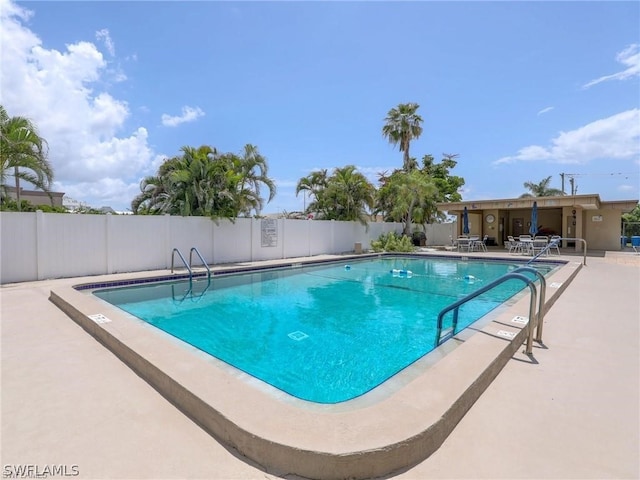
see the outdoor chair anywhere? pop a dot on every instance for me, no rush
(514, 245)
(462, 243)
(526, 244)
(473, 242)
(482, 244)
(539, 245)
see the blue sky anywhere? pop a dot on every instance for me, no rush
(520, 90)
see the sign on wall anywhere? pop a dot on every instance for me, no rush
(269, 231)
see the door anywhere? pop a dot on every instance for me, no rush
(517, 227)
(571, 230)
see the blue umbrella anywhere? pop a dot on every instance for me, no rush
(465, 221)
(533, 229)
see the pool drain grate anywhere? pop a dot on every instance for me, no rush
(297, 335)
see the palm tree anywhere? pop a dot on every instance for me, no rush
(203, 182)
(253, 169)
(25, 152)
(348, 195)
(541, 189)
(314, 184)
(401, 126)
(153, 197)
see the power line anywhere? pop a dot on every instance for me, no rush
(595, 174)
(572, 177)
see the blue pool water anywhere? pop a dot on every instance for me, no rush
(325, 333)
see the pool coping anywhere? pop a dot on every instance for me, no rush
(391, 433)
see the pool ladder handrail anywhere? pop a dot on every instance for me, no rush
(194, 249)
(456, 307)
(541, 298)
(173, 252)
(189, 267)
(555, 242)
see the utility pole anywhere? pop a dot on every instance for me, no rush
(573, 187)
(562, 177)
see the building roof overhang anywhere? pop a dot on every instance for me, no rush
(585, 202)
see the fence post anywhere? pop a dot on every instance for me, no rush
(167, 240)
(282, 227)
(41, 256)
(333, 236)
(309, 234)
(108, 244)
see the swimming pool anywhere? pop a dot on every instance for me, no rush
(324, 333)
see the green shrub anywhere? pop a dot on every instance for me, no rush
(392, 242)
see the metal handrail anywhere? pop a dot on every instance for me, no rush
(556, 241)
(541, 298)
(175, 250)
(194, 249)
(456, 306)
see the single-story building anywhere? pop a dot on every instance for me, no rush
(36, 197)
(570, 216)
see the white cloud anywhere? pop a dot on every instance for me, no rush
(615, 137)
(545, 110)
(106, 39)
(93, 157)
(189, 114)
(629, 57)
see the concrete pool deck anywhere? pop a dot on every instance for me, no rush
(573, 413)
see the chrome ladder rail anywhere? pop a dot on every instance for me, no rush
(194, 249)
(456, 307)
(557, 241)
(173, 252)
(541, 298)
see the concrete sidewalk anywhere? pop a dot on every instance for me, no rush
(572, 413)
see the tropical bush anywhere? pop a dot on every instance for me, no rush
(10, 205)
(392, 242)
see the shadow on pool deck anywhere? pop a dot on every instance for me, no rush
(574, 413)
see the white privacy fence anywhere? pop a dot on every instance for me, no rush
(38, 246)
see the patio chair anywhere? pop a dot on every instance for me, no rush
(482, 244)
(462, 243)
(514, 245)
(473, 242)
(539, 245)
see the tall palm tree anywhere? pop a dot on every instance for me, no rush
(541, 189)
(402, 125)
(24, 152)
